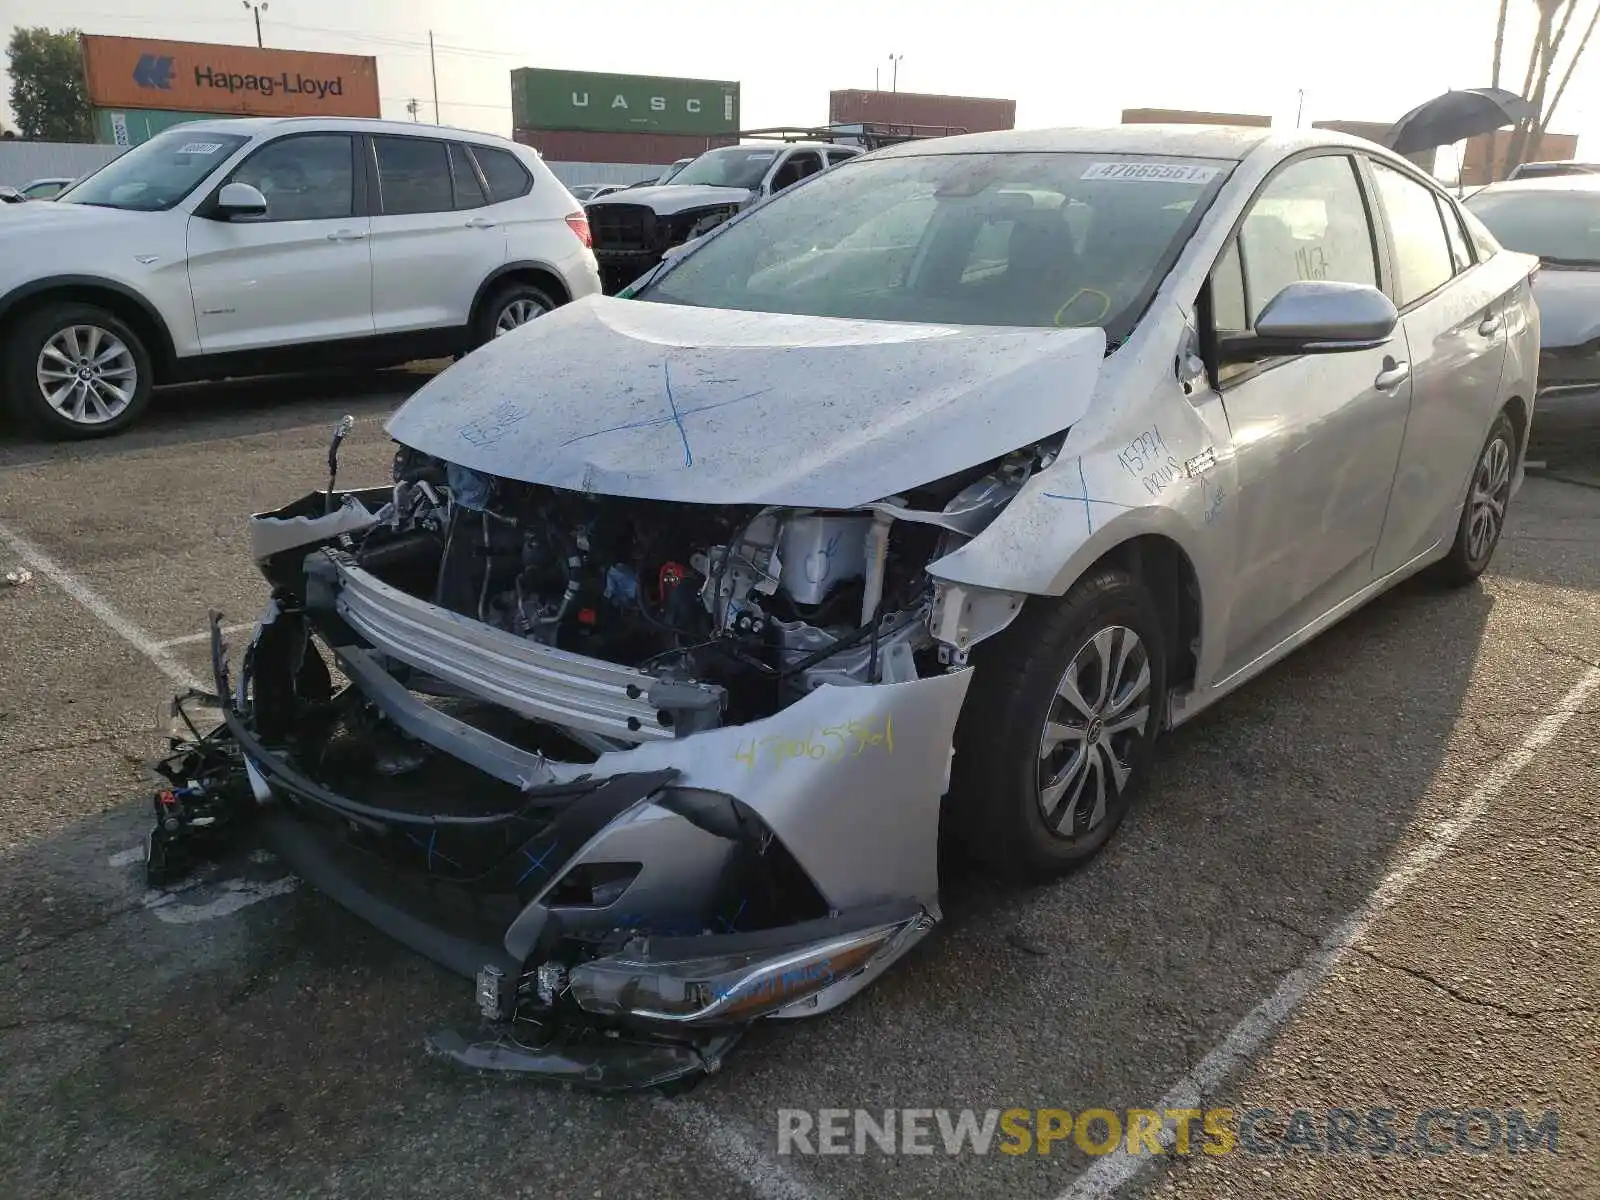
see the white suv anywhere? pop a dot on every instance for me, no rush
(241, 247)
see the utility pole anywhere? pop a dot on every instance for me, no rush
(434, 64)
(877, 84)
(894, 62)
(257, 9)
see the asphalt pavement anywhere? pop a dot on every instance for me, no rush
(1366, 881)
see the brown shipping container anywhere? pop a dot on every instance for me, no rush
(975, 114)
(1484, 161)
(656, 149)
(1178, 116)
(145, 73)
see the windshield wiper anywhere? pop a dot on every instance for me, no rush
(1553, 260)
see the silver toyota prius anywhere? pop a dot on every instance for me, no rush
(914, 503)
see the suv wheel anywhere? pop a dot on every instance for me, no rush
(509, 309)
(77, 371)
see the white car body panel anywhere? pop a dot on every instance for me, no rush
(277, 283)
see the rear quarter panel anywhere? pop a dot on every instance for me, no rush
(537, 232)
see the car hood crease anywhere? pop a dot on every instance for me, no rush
(667, 402)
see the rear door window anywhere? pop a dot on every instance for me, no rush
(507, 177)
(413, 176)
(464, 176)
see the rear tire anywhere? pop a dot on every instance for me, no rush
(1058, 730)
(1483, 515)
(508, 308)
(76, 371)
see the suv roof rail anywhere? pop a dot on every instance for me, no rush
(869, 134)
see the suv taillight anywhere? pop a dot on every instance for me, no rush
(579, 224)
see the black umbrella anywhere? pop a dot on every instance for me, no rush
(1456, 116)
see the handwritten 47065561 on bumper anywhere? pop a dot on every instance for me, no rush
(912, 504)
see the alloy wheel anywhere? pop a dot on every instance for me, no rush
(1491, 489)
(517, 314)
(87, 374)
(1100, 711)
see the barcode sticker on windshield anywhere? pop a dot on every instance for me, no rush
(761, 155)
(201, 148)
(1149, 172)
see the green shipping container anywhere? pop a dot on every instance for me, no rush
(587, 100)
(131, 126)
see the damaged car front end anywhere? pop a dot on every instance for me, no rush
(642, 769)
(633, 827)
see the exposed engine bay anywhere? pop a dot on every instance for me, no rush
(763, 604)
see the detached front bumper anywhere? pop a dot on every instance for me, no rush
(848, 779)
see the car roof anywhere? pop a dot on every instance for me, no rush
(253, 126)
(1543, 183)
(1228, 142)
(775, 143)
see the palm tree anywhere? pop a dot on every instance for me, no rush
(1555, 18)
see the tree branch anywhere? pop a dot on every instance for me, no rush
(1594, 20)
(1500, 41)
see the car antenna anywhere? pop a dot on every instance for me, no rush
(340, 432)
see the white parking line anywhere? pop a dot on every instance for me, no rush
(732, 1148)
(1109, 1174)
(99, 608)
(724, 1142)
(234, 895)
(190, 639)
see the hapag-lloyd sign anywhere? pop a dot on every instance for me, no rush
(195, 77)
(586, 100)
(287, 83)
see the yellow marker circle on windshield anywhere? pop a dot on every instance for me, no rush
(1105, 306)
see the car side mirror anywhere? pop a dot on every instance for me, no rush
(1316, 317)
(239, 200)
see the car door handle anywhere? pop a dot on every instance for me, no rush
(1491, 325)
(1392, 375)
(480, 223)
(346, 235)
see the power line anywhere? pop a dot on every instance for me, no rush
(451, 103)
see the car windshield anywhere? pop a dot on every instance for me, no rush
(1040, 240)
(1561, 225)
(158, 174)
(731, 166)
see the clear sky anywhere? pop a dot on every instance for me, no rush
(1063, 63)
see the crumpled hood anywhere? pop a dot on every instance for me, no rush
(669, 199)
(667, 402)
(1569, 306)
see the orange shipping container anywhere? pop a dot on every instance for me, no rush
(236, 80)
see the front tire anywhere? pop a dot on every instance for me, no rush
(1483, 516)
(1058, 730)
(77, 371)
